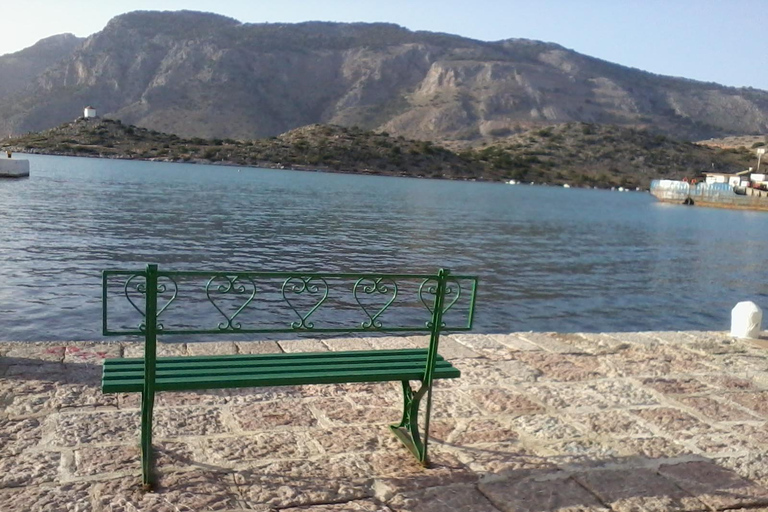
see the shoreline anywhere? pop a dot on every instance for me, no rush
(266, 165)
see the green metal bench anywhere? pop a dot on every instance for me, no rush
(358, 303)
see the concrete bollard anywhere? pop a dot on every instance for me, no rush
(746, 320)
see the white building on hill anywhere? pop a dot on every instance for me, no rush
(89, 112)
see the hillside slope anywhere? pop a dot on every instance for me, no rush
(574, 153)
(18, 70)
(205, 75)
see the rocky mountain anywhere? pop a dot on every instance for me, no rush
(18, 70)
(203, 75)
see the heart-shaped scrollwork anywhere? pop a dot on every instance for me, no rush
(141, 287)
(311, 286)
(230, 285)
(371, 285)
(451, 296)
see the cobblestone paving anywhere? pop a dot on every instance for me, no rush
(650, 421)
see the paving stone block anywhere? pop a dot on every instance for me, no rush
(365, 439)
(754, 401)
(516, 343)
(257, 347)
(399, 342)
(676, 386)
(22, 353)
(72, 429)
(94, 353)
(283, 484)
(189, 490)
(163, 349)
(398, 471)
(562, 367)
(718, 487)
(244, 396)
(126, 459)
(503, 401)
(340, 412)
(268, 415)
(349, 506)
(543, 492)
(634, 489)
(718, 443)
(10, 387)
(17, 436)
(673, 422)
(590, 343)
(304, 345)
(450, 404)
(580, 453)
(566, 395)
(343, 344)
(545, 427)
(649, 447)
(717, 410)
(24, 406)
(29, 468)
(188, 421)
(620, 393)
(478, 372)
(492, 459)
(350, 389)
(458, 498)
(729, 382)
(484, 343)
(205, 348)
(484, 431)
(242, 450)
(71, 497)
(201, 398)
(752, 466)
(452, 350)
(615, 423)
(45, 371)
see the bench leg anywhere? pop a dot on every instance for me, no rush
(147, 403)
(408, 429)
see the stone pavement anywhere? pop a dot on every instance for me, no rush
(653, 421)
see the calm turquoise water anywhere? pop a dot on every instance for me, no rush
(549, 259)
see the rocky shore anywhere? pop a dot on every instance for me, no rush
(537, 422)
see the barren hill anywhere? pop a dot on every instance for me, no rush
(204, 75)
(575, 153)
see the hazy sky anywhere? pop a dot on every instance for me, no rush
(721, 41)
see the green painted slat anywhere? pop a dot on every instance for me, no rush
(270, 362)
(289, 355)
(281, 370)
(261, 380)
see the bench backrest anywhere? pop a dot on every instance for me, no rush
(155, 302)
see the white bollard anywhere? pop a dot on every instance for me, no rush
(746, 320)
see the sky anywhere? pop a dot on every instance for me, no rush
(722, 41)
